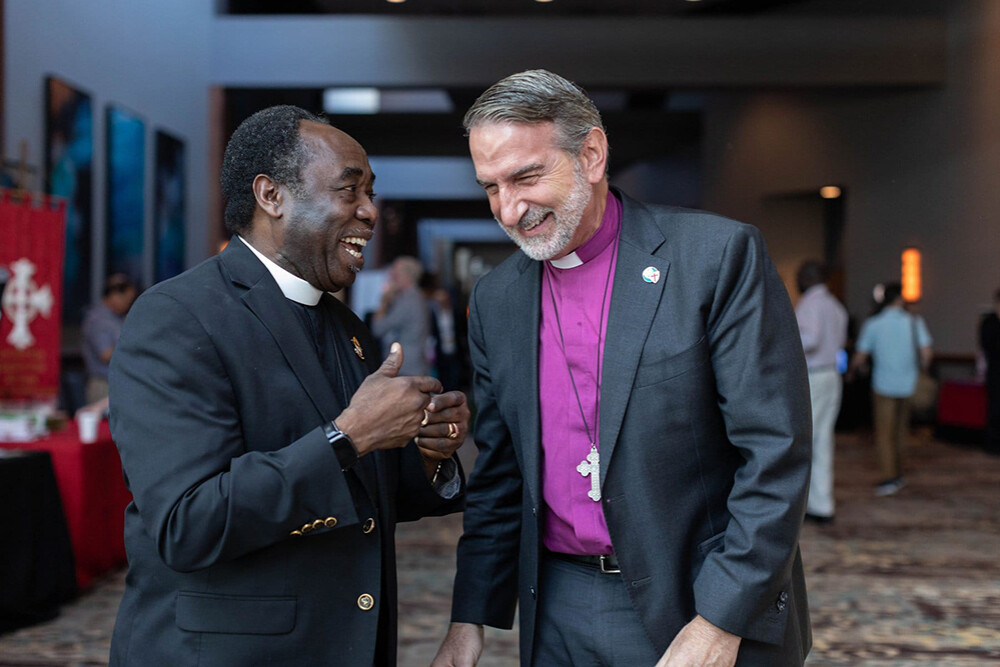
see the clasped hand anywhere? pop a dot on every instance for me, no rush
(387, 411)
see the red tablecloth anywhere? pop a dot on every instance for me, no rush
(93, 497)
(962, 403)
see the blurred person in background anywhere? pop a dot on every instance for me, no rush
(102, 325)
(899, 346)
(443, 346)
(989, 342)
(823, 328)
(404, 316)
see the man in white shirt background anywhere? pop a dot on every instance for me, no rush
(823, 328)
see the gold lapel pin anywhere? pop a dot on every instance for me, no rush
(357, 347)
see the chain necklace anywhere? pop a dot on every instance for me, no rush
(592, 465)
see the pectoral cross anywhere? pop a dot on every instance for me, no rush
(592, 467)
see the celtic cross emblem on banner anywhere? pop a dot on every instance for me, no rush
(23, 301)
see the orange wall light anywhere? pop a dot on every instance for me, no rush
(911, 278)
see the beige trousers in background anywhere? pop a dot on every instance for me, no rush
(892, 422)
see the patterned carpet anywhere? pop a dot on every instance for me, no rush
(912, 579)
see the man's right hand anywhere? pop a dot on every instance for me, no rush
(462, 646)
(386, 410)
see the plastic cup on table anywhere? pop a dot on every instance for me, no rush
(86, 423)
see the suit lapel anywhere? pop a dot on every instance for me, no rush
(295, 345)
(633, 304)
(523, 296)
(264, 298)
(355, 372)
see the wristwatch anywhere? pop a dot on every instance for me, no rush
(343, 447)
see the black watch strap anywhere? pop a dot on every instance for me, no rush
(343, 447)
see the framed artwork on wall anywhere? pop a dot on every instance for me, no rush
(126, 162)
(69, 156)
(168, 200)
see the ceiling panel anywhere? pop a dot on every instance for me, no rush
(618, 8)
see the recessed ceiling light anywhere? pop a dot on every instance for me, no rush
(543, 0)
(829, 192)
(395, 2)
(351, 100)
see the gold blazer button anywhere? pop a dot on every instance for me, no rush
(296, 533)
(306, 528)
(318, 523)
(366, 602)
(330, 522)
(368, 526)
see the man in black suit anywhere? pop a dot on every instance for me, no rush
(989, 341)
(268, 453)
(644, 441)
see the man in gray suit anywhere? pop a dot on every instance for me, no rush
(643, 415)
(404, 315)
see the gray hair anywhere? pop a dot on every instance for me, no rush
(410, 267)
(538, 96)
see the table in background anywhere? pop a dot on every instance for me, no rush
(36, 558)
(962, 403)
(93, 494)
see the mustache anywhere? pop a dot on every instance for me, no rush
(532, 217)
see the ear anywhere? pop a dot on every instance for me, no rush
(594, 155)
(268, 195)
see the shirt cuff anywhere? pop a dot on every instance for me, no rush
(448, 483)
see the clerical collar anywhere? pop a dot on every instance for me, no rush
(291, 286)
(603, 237)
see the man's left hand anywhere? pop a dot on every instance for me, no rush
(701, 644)
(447, 425)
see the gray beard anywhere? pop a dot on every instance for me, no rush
(566, 221)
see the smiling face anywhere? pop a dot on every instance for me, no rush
(324, 225)
(544, 198)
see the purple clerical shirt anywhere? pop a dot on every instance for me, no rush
(574, 523)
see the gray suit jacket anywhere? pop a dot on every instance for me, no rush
(407, 321)
(246, 543)
(704, 433)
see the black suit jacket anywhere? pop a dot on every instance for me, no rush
(246, 543)
(705, 438)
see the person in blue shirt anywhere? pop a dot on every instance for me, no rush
(899, 346)
(102, 325)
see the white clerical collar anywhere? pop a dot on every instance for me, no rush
(291, 286)
(570, 261)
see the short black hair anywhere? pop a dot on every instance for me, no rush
(117, 283)
(811, 272)
(892, 292)
(268, 142)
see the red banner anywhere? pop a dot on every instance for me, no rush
(31, 255)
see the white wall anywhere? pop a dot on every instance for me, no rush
(150, 57)
(921, 168)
